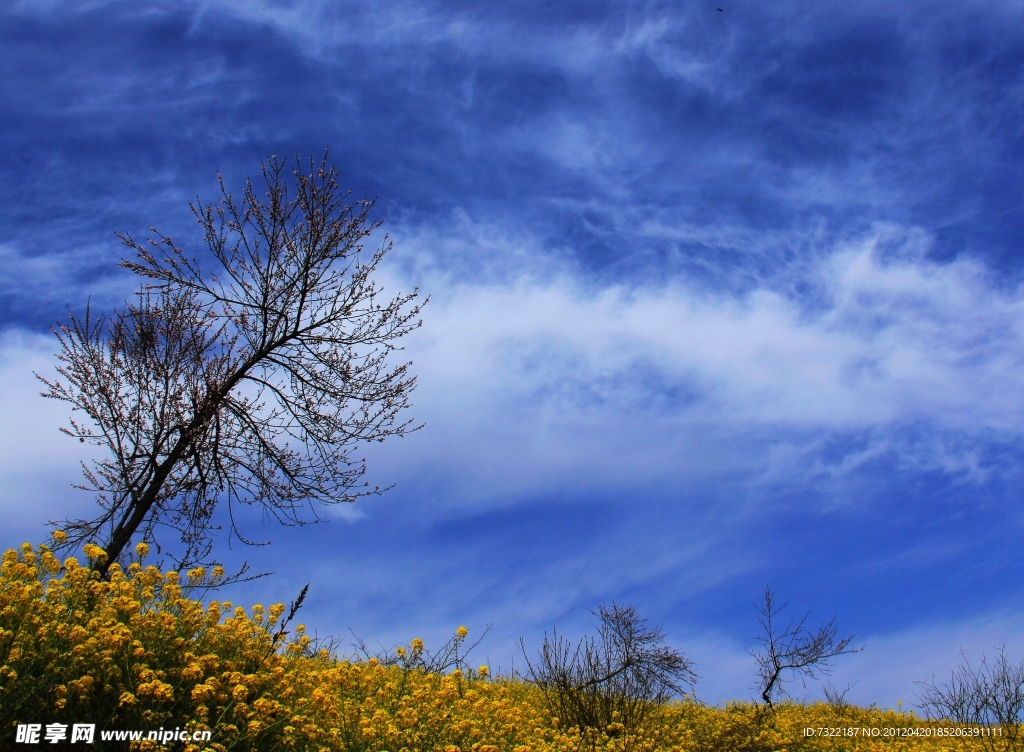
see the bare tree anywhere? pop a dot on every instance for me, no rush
(246, 384)
(990, 695)
(617, 677)
(793, 651)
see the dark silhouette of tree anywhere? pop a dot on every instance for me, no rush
(246, 383)
(616, 678)
(793, 651)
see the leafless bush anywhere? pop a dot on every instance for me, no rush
(611, 682)
(990, 695)
(836, 697)
(794, 651)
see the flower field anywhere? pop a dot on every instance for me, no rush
(137, 652)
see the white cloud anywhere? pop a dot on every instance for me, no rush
(542, 380)
(38, 464)
(57, 278)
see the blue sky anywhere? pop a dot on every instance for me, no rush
(718, 300)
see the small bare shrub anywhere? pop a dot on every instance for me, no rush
(610, 683)
(835, 697)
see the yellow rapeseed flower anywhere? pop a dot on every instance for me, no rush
(93, 552)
